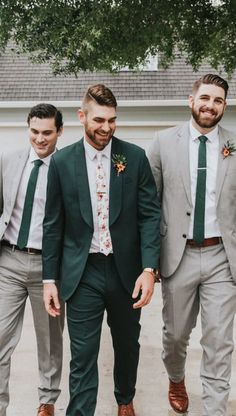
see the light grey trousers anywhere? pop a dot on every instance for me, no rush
(203, 280)
(21, 277)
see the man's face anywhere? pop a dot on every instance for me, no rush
(43, 135)
(99, 124)
(208, 106)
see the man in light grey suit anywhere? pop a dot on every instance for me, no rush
(194, 166)
(21, 216)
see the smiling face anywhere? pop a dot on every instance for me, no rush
(99, 124)
(43, 135)
(208, 106)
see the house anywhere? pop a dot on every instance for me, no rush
(152, 99)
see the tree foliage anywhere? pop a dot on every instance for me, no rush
(75, 35)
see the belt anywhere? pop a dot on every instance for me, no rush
(100, 255)
(25, 249)
(207, 242)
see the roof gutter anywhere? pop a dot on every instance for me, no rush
(121, 103)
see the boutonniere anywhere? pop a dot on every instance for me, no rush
(119, 163)
(228, 149)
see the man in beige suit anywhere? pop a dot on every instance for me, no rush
(194, 166)
(21, 217)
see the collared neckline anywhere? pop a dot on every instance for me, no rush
(212, 136)
(33, 156)
(91, 152)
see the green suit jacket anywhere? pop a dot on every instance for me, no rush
(134, 214)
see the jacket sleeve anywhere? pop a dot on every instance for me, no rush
(53, 226)
(148, 216)
(154, 157)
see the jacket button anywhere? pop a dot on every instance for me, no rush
(188, 213)
(184, 235)
(6, 223)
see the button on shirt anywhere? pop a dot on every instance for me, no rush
(36, 231)
(212, 145)
(91, 162)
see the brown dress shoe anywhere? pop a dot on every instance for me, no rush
(46, 410)
(178, 397)
(126, 409)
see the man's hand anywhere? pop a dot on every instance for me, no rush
(51, 301)
(145, 284)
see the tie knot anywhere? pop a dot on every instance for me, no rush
(202, 139)
(38, 162)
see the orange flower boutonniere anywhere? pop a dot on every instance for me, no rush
(119, 163)
(228, 149)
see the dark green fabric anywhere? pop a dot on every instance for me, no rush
(134, 216)
(28, 205)
(199, 212)
(100, 289)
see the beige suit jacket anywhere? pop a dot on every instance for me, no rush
(11, 167)
(169, 159)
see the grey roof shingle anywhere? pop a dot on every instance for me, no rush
(20, 80)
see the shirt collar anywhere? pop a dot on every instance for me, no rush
(91, 152)
(33, 156)
(212, 136)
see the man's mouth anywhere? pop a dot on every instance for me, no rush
(207, 112)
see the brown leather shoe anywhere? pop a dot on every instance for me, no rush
(126, 409)
(178, 397)
(46, 410)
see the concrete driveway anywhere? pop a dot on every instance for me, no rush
(151, 397)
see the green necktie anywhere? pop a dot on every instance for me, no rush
(28, 205)
(199, 213)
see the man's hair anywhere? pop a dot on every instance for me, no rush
(101, 95)
(44, 110)
(211, 79)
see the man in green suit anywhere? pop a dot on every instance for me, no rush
(101, 239)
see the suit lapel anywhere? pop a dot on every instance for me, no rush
(115, 198)
(183, 159)
(16, 173)
(223, 164)
(83, 184)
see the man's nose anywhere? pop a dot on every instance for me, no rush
(106, 126)
(210, 104)
(40, 138)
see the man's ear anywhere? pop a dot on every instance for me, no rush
(60, 131)
(81, 115)
(190, 100)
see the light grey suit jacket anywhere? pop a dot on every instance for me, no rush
(169, 159)
(11, 167)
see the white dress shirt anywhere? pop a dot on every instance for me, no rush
(91, 162)
(212, 151)
(36, 231)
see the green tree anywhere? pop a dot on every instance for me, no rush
(75, 35)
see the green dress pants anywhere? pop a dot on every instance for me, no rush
(100, 289)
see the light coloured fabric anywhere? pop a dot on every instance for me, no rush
(36, 231)
(194, 278)
(91, 162)
(212, 151)
(20, 278)
(203, 280)
(105, 244)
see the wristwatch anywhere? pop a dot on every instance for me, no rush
(154, 273)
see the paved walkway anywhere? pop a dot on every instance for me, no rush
(151, 396)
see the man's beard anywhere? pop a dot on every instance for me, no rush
(102, 143)
(205, 123)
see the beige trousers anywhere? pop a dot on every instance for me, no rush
(20, 278)
(202, 281)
